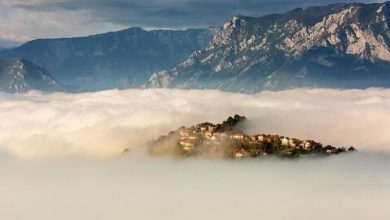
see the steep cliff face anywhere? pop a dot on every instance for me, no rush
(339, 45)
(18, 75)
(120, 59)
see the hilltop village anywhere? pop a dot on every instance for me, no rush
(228, 141)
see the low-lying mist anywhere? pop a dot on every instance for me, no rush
(135, 186)
(103, 124)
(51, 147)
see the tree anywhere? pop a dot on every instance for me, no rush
(277, 145)
(317, 148)
(267, 147)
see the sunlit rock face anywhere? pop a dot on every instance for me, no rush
(339, 45)
(18, 75)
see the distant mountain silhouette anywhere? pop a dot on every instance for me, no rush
(120, 59)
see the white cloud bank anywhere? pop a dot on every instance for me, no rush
(105, 123)
(135, 186)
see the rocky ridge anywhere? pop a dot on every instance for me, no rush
(337, 46)
(19, 75)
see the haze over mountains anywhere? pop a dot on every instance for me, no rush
(337, 46)
(122, 59)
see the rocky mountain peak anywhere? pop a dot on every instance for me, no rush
(19, 75)
(302, 47)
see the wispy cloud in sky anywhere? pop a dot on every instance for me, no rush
(26, 19)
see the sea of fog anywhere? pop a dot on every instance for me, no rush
(61, 156)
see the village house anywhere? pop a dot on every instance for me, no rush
(308, 144)
(293, 142)
(237, 136)
(193, 136)
(212, 128)
(270, 138)
(189, 148)
(187, 145)
(208, 134)
(219, 137)
(258, 137)
(330, 150)
(285, 141)
(206, 127)
(252, 141)
(240, 153)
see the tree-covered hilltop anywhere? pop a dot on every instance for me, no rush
(230, 124)
(227, 140)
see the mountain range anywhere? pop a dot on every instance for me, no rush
(122, 59)
(337, 46)
(332, 46)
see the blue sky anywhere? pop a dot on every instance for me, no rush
(22, 20)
